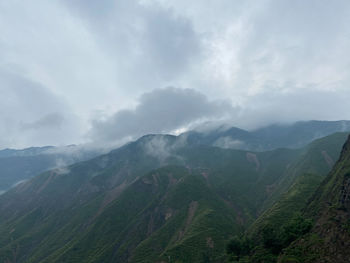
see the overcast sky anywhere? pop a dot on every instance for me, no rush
(76, 71)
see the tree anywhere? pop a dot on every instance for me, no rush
(295, 228)
(238, 247)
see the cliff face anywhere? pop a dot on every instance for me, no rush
(329, 240)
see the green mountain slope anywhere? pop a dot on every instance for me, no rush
(329, 239)
(20, 165)
(153, 200)
(167, 211)
(317, 158)
(292, 215)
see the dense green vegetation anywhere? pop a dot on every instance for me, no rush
(330, 209)
(272, 240)
(280, 225)
(310, 223)
(161, 200)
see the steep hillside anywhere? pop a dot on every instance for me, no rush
(317, 158)
(309, 223)
(168, 211)
(154, 200)
(19, 165)
(15, 169)
(329, 239)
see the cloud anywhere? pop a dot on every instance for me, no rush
(251, 45)
(150, 44)
(49, 121)
(61, 167)
(19, 182)
(158, 147)
(163, 147)
(73, 60)
(172, 43)
(294, 105)
(31, 114)
(160, 111)
(228, 143)
(50, 46)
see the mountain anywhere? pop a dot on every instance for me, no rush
(32, 151)
(158, 199)
(17, 166)
(329, 239)
(309, 222)
(270, 137)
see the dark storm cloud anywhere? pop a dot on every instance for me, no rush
(159, 111)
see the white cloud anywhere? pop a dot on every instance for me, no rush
(31, 114)
(160, 111)
(99, 58)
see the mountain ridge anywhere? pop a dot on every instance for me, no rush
(53, 208)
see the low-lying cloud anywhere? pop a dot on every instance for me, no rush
(228, 143)
(19, 182)
(298, 104)
(163, 147)
(160, 111)
(61, 167)
(171, 110)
